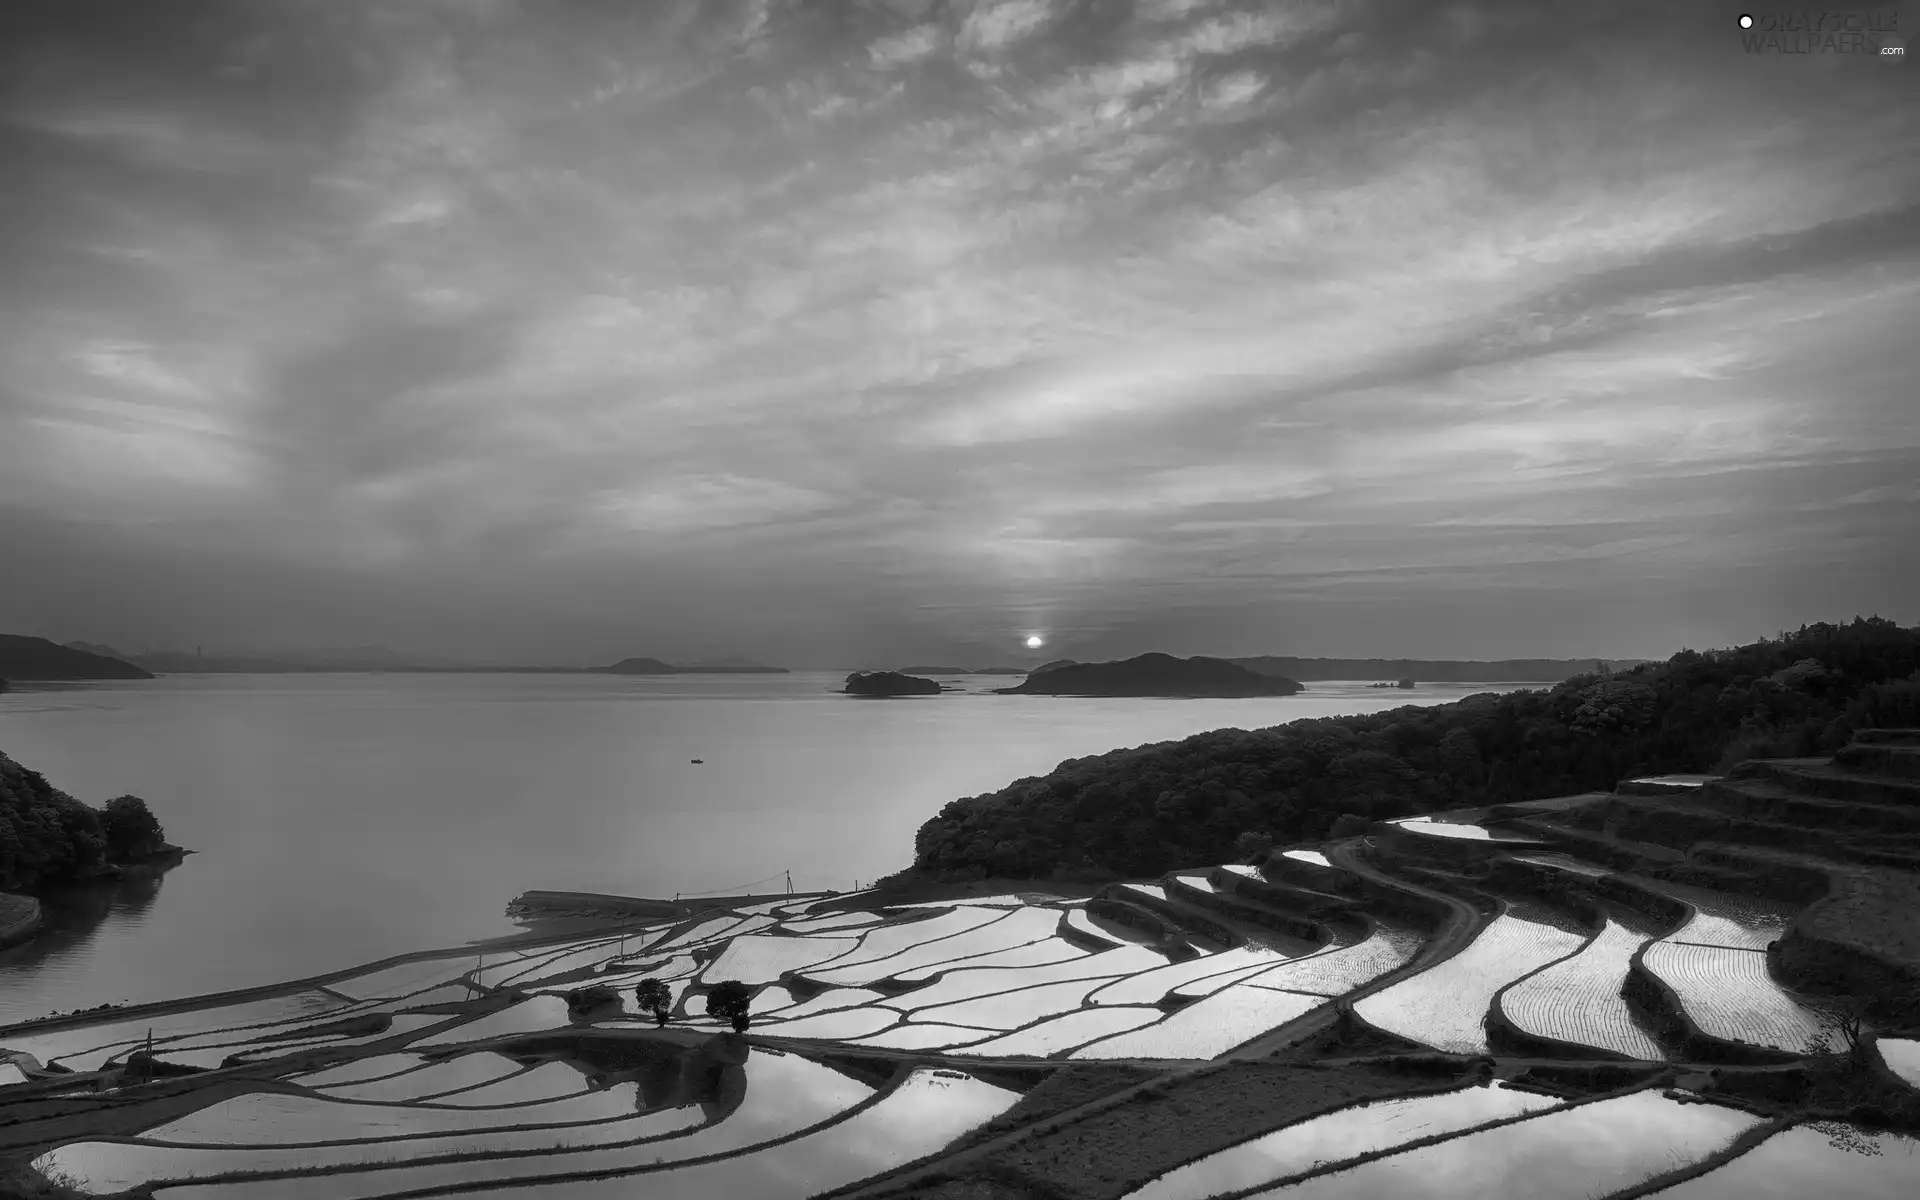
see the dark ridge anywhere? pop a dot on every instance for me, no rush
(38, 658)
(1506, 670)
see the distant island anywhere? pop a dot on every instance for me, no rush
(653, 666)
(889, 683)
(42, 659)
(37, 658)
(1505, 670)
(1153, 675)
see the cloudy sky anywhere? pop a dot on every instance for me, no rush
(838, 332)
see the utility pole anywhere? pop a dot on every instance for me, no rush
(789, 883)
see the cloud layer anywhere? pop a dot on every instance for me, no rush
(834, 331)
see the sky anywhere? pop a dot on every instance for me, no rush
(843, 333)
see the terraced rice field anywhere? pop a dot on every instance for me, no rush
(1809, 1161)
(528, 1016)
(925, 1037)
(1563, 862)
(1579, 1000)
(1032, 954)
(475, 1098)
(924, 1113)
(1740, 922)
(1339, 971)
(87, 1047)
(1208, 1027)
(1011, 1010)
(1461, 832)
(1339, 1136)
(1729, 995)
(419, 1082)
(1902, 1056)
(957, 934)
(1445, 1006)
(762, 958)
(968, 982)
(1149, 987)
(1056, 1035)
(1565, 1154)
(780, 1095)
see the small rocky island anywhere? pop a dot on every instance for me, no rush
(889, 683)
(1153, 675)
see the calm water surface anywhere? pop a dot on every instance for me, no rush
(342, 818)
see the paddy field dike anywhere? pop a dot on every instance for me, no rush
(1693, 987)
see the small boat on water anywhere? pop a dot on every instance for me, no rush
(696, 760)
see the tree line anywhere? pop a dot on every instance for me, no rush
(1142, 811)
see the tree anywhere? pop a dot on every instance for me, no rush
(1348, 825)
(728, 1002)
(1253, 847)
(581, 1001)
(654, 997)
(131, 830)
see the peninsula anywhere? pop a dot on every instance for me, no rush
(1153, 675)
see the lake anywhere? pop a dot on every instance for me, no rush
(342, 818)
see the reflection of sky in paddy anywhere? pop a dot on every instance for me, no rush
(1339, 1135)
(1569, 1154)
(1805, 1161)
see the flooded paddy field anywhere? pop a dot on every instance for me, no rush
(1013, 1034)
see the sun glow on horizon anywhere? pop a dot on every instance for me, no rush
(1035, 641)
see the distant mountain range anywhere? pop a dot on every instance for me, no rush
(38, 658)
(1506, 670)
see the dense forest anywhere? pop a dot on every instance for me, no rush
(46, 836)
(1142, 811)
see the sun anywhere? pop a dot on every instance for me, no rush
(1035, 641)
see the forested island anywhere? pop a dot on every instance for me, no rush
(1141, 811)
(889, 683)
(1152, 675)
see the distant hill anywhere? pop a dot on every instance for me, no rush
(1506, 670)
(38, 658)
(1153, 675)
(934, 671)
(639, 666)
